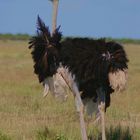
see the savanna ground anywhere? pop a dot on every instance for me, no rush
(26, 115)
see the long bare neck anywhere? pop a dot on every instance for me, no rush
(55, 12)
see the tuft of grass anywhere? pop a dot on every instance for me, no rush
(94, 134)
(119, 133)
(113, 133)
(60, 137)
(43, 134)
(4, 137)
(46, 134)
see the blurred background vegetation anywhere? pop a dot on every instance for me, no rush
(25, 37)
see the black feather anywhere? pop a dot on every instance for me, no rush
(43, 30)
(88, 59)
(57, 35)
(44, 50)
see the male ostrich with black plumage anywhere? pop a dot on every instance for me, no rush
(92, 69)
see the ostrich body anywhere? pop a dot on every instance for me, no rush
(92, 69)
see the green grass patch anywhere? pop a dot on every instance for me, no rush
(4, 136)
(46, 134)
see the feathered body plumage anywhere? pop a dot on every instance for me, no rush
(94, 63)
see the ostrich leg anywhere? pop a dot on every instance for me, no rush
(80, 110)
(101, 106)
(69, 79)
(102, 113)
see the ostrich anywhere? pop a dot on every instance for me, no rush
(91, 69)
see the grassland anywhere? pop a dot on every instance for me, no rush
(26, 115)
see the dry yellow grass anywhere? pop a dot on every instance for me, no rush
(24, 112)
